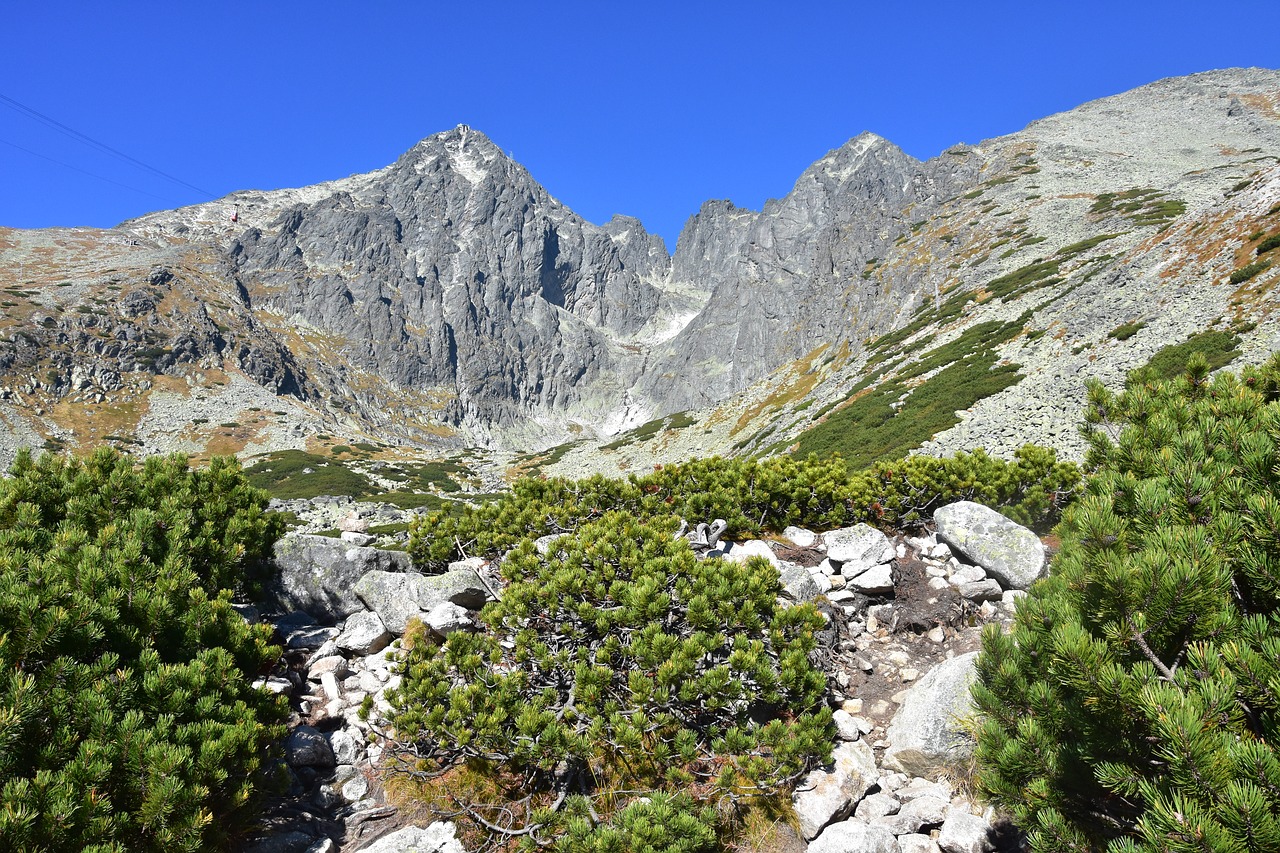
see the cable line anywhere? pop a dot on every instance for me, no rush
(88, 140)
(85, 172)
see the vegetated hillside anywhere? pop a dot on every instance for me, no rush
(448, 300)
(1086, 245)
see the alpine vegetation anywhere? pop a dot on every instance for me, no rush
(1134, 706)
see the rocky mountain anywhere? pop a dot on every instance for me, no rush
(449, 300)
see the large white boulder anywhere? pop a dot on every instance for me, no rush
(828, 795)
(1009, 552)
(927, 734)
(857, 548)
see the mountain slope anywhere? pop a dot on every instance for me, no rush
(449, 300)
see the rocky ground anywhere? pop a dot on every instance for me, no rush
(905, 616)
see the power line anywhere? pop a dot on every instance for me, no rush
(86, 172)
(88, 140)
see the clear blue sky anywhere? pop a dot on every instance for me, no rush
(646, 109)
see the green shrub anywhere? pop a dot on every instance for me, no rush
(617, 665)
(127, 719)
(1136, 705)
(1268, 244)
(753, 496)
(1218, 349)
(1126, 330)
(285, 474)
(1248, 271)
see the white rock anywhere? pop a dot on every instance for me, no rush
(876, 805)
(439, 837)
(846, 725)
(447, 617)
(1009, 552)
(360, 539)
(825, 796)
(363, 634)
(800, 537)
(335, 664)
(347, 747)
(854, 837)
(858, 548)
(355, 789)
(915, 843)
(926, 733)
(964, 833)
(740, 553)
(914, 816)
(874, 581)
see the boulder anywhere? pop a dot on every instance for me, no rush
(926, 735)
(916, 844)
(857, 548)
(964, 833)
(447, 617)
(307, 747)
(798, 584)
(1009, 552)
(915, 817)
(800, 537)
(391, 595)
(854, 837)
(439, 837)
(741, 552)
(461, 586)
(363, 634)
(319, 574)
(876, 580)
(828, 795)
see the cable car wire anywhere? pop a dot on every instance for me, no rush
(86, 172)
(17, 106)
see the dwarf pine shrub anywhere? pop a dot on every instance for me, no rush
(1136, 705)
(614, 667)
(755, 495)
(127, 719)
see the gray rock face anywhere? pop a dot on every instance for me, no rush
(926, 734)
(318, 574)
(1009, 552)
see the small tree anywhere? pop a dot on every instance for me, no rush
(127, 721)
(619, 665)
(1136, 705)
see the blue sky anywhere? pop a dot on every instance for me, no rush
(646, 109)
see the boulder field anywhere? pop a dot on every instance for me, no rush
(905, 615)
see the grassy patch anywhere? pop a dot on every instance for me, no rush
(1125, 331)
(883, 424)
(1249, 271)
(1219, 348)
(1142, 205)
(298, 474)
(1084, 245)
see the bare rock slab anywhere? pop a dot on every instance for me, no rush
(318, 574)
(926, 735)
(1009, 552)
